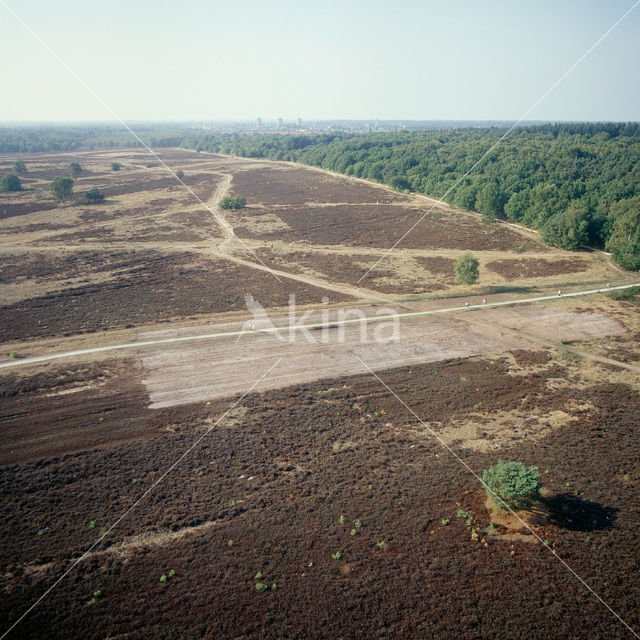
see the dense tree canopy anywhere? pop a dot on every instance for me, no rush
(624, 241)
(568, 180)
(69, 137)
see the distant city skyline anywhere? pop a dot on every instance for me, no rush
(361, 60)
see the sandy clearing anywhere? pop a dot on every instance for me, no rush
(194, 372)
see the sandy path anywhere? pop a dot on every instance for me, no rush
(193, 372)
(567, 327)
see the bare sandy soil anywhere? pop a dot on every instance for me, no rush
(224, 367)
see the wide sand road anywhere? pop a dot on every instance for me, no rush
(195, 371)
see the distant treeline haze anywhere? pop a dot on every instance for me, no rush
(579, 184)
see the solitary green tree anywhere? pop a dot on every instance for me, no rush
(115, 166)
(19, 167)
(10, 182)
(62, 188)
(511, 485)
(94, 195)
(232, 202)
(75, 170)
(466, 269)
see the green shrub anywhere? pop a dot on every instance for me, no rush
(466, 269)
(94, 195)
(626, 295)
(10, 182)
(61, 188)
(511, 485)
(19, 166)
(232, 202)
(74, 170)
(13, 354)
(116, 166)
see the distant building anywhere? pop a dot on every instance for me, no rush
(299, 122)
(259, 123)
(279, 123)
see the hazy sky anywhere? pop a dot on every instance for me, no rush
(400, 59)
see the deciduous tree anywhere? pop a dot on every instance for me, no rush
(75, 170)
(10, 182)
(19, 167)
(62, 188)
(466, 269)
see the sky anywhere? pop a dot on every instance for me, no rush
(361, 59)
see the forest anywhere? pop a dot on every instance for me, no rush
(579, 184)
(61, 137)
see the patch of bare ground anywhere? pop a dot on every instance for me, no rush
(193, 372)
(394, 275)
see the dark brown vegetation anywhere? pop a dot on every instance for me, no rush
(297, 186)
(145, 287)
(438, 266)
(265, 494)
(383, 225)
(265, 490)
(536, 267)
(351, 269)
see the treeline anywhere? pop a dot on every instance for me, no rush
(71, 137)
(579, 184)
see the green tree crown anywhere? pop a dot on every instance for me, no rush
(232, 202)
(10, 182)
(19, 167)
(75, 169)
(62, 188)
(466, 269)
(511, 485)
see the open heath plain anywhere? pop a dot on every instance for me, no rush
(201, 438)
